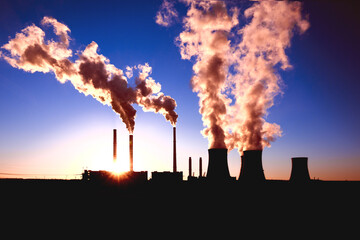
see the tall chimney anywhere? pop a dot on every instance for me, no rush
(218, 169)
(299, 171)
(190, 170)
(174, 150)
(200, 167)
(131, 152)
(114, 146)
(251, 166)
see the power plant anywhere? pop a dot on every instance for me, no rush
(114, 145)
(130, 177)
(131, 152)
(251, 170)
(190, 167)
(174, 150)
(218, 169)
(169, 177)
(251, 166)
(191, 176)
(299, 170)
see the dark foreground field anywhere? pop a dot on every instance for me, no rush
(270, 192)
(273, 203)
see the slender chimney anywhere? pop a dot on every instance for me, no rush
(299, 171)
(131, 152)
(218, 169)
(251, 166)
(190, 170)
(114, 146)
(200, 167)
(174, 150)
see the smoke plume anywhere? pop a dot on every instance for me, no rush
(255, 80)
(91, 74)
(235, 73)
(207, 27)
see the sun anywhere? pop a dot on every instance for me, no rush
(118, 169)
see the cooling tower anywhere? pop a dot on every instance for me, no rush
(299, 171)
(218, 169)
(174, 150)
(251, 166)
(131, 152)
(114, 146)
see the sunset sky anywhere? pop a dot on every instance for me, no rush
(49, 129)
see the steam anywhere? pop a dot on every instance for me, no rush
(207, 27)
(159, 103)
(167, 13)
(255, 81)
(235, 73)
(91, 74)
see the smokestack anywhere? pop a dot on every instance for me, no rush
(218, 169)
(190, 170)
(114, 146)
(299, 171)
(251, 166)
(174, 150)
(131, 152)
(200, 167)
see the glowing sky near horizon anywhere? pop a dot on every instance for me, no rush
(50, 129)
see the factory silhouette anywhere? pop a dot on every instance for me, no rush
(217, 172)
(211, 192)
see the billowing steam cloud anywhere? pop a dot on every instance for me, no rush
(255, 82)
(235, 69)
(92, 74)
(207, 27)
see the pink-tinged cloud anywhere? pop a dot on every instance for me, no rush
(92, 74)
(255, 81)
(234, 103)
(207, 26)
(166, 14)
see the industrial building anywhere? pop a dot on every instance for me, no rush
(166, 177)
(107, 177)
(130, 177)
(218, 171)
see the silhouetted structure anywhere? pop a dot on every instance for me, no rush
(251, 166)
(299, 170)
(191, 177)
(106, 177)
(218, 169)
(114, 146)
(174, 150)
(100, 176)
(166, 177)
(135, 177)
(190, 167)
(131, 152)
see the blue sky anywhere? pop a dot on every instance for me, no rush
(49, 128)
